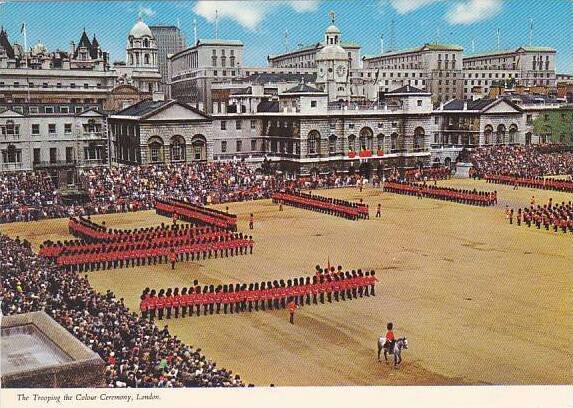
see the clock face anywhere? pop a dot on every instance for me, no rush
(340, 70)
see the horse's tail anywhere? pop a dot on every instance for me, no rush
(381, 341)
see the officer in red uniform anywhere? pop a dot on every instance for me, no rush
(172, 258)
(291, 309)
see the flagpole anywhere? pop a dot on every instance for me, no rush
(25, 32)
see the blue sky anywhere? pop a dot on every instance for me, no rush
(261, 25)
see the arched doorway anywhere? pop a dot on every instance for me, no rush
(447, 162)
(155, 149)
(177, 149)
(199, 148)
(365, 169)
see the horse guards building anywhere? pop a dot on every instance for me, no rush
(317, 108)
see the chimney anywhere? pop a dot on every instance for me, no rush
(465, 105)
(441, 105)
(72, 48)
(158, 96)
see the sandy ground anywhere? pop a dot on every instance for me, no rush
(481, 302)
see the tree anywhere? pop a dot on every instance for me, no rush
(557, 125)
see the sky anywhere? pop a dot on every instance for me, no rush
(262, 24)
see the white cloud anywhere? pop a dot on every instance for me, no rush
(471, 11)
(248, 14)
(302, 6)
(146, 11)
(407, 6)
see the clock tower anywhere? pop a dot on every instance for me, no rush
(332, 65)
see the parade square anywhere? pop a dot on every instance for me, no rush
(468, 290)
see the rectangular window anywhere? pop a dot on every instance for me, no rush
(69, 154)
(53, 154)
(239, 145)
(34, 109)
(64, 109)
(419, 102)
(223, 125)
(238, 124)
(52, 128)
(253, 124)
(37, 155)
(313, 104)
(223, 146)
(351, 126)
(35, 129)
(78, 109)
(253, 145)
(49, 109)
(68, 128)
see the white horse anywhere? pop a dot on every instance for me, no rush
(401, 343)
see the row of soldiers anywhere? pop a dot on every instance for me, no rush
(325, 205)
(238, 298)
(472, 197)
(104, 256)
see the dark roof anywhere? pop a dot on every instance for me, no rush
(268, 106)
(84, 43)
(407, 89)
(478, 104)
(530, 99)
(303, 88)
(244, 91)
(4, 43)
(266, 77)
(95, 48)
(142, 108)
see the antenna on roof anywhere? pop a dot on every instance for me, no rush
(392, 44)
(286, 41)
(382, 44)
(195, 30)
(530, 31)
(216, 24)
(498, 39)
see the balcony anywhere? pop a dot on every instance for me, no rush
(9, 167)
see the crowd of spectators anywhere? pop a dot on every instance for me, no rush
(136, 352)
(522, 161)
(28, 196)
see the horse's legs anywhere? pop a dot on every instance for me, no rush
(379, 350)
(385, 355)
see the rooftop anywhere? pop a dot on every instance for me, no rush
(142, 108)
(303, 88)
(425, 47)
(510, 51)
(407, 89)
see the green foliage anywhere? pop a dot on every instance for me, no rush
(557, 124)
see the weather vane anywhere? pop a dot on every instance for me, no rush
(332, 16)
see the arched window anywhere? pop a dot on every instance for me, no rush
(419, 135)
(146, 43)
(512, 133)
(380, 141)
(366, 138)
(394, 141)
(155, 145)
(313, 142)
(528, 138)
(500, 135)
(332, 144)
(146, 59)
(352, 143)
(199, 144)
(177, 149)
(487, 134)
